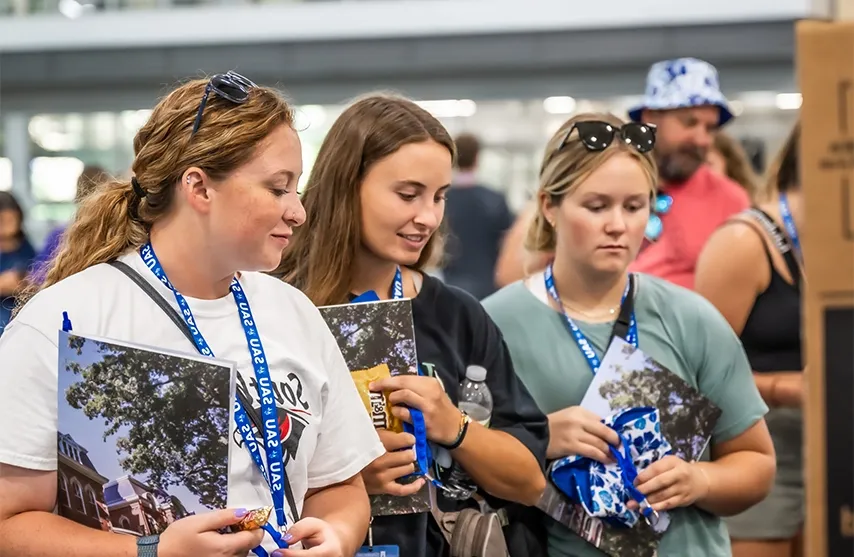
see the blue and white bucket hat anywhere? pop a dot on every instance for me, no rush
(681, 83)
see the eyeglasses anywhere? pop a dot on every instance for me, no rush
(654, 226)
(597, 135)
(231, 86)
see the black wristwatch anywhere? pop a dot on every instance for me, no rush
(146, 546)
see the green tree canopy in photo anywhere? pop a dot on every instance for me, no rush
(171, 415)
(687, 417)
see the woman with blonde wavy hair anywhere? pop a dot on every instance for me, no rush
(212, 201)
(596, 182)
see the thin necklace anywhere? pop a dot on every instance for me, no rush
(607, 311)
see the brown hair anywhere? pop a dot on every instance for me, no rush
(784, 173)
(566, 165)
(88, 180)
(321, 254)
(113, 219)
(738, 167)
(468, 148)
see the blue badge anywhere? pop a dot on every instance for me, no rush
(379, 551)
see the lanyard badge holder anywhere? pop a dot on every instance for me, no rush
(273, 470)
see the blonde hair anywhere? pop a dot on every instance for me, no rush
(738, 167)
(113, 219)
(567, 163)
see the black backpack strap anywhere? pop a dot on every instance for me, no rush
(155, 297)
(621, 327)
(781, 242)
(181, 324)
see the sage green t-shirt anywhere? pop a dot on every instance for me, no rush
(676, 327)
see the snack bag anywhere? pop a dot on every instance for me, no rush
(376, 404)
(253, 520)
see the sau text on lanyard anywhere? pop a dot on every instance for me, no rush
(582, 342)
(274, 471)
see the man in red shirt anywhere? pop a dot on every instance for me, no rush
(683, 99)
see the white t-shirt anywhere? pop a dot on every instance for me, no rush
(337, 441)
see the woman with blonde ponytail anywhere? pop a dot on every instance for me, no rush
(210, 207)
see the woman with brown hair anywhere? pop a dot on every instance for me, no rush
(375, 201)
(212, 201)
(751, 270)
(727, 157)
(596, 182)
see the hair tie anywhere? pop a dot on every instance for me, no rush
(137, 189)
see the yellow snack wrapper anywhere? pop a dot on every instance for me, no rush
(376, 404)
(253, 520)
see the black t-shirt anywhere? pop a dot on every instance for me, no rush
(452, 331)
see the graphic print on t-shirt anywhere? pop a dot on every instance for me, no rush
(292, 421)
(293, 411)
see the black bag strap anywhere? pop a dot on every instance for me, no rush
(254, 415)
(781, 241)
(146, 287)
(621, 327)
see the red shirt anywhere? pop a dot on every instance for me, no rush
(700, 205)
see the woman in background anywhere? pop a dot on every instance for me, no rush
(751, 270)
(16, 255)
(596, 182)
(727, 157)
(374, 203)
(86, 182)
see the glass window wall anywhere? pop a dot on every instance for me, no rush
(513, 134)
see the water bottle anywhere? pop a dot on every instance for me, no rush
(476, 401)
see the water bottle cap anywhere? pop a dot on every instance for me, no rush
(476, 373)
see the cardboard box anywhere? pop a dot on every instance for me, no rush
(825, 66)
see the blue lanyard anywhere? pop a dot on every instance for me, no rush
(789, 223)
(580, 339)
(274, 472)
(397, 285)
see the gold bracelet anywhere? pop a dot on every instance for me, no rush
(465, 420)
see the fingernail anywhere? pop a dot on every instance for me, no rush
(240, 513)
(276, 553)
(371, 386)
(288, 538)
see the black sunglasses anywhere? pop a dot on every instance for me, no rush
(231, 86)
(597, 135)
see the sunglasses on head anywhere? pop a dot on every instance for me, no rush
(231, 86)
(596, 135)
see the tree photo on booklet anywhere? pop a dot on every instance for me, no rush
(142, 435)
(378, 338)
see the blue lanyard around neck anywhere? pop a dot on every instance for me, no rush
(582, 342)
(789, 223)
(397, 285)
(274, 472)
